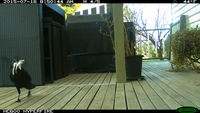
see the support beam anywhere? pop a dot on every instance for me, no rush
(153, 29)
(184, 20)
(170, 43)
(119, 42)
(148, 44)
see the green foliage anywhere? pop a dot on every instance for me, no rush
(146, 48)
(69, 8)
(186, 49)
(152, 50)
(128, 14)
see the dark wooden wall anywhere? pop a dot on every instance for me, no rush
(20, 37)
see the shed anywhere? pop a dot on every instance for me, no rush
(36, 33)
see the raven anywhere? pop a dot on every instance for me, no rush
(20, 77)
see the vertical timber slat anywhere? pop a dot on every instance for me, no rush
(77, 13)
(94, 11)
(102, 9)
(85, 12)
(109, 8)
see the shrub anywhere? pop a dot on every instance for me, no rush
(186, 49)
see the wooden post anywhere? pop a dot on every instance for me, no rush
(164, 52)
(77, 13)
(102, 9)
(119, 42)
(148, 44)
(85, 12)
(94, 11)
(109, 8)
(156, 42)
(170, 43)
(184, 22)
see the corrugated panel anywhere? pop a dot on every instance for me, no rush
(178, 7)
(192, 10)
(184, 10)
(20, 36)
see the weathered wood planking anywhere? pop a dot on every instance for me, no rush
(173, 93)
(153, 96)
(37, 97)
(131, 98)
(98, 99)
(163, 94)
(85, 102)
(97, 91)
(12, 103)
(120, 101)
(109, 99)
(145, 102)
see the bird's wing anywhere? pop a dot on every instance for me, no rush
(24, 75)
(14, 68)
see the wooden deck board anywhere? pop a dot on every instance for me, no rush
(55, 99)
(109, 99)
(77, 98)
(181, 82)
(13, 96)
(173, 93)
(13, 104)
(186, 95)
(113, 79)
(66, 99)
(45, 99)
(145, 102)
(120, 101)
(98, 100)
(85, 102)
(163, 94)
(96, 91)
(41, 94)
(132, 101)
(153, 96)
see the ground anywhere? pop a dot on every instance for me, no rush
(160, 90)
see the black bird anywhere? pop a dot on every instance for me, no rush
(20, 77)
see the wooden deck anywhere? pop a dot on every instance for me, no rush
(159, 90)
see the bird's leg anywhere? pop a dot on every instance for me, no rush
(18, 90)
(29, 92)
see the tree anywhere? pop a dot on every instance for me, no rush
(128, 14)
(157, 36)
(69, 8)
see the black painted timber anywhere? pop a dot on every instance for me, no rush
(22, 35)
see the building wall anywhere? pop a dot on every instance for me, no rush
(191, 10)
(20, 37)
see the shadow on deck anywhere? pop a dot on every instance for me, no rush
(159, 90)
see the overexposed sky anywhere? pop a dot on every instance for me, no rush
(149, 11)
(89, 6)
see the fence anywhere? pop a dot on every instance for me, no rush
(90, 50)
